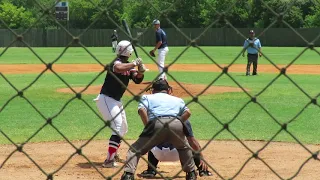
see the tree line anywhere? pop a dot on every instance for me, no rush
(105, 14)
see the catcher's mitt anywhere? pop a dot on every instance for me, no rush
(152, 54)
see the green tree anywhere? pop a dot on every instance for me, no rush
(81, 13)
(186, 13)
(292, 14)
(15, 17)
(140, 14)
(112, 17)
(236, 12)
(313, 20)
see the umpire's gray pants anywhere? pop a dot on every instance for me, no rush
(160, 135)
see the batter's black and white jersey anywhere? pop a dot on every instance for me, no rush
(112, 87)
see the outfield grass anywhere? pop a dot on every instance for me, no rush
(221, 55)
(282, 99)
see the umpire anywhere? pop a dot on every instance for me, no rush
(253, 47)
(160, 112)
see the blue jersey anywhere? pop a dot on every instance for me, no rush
(252, 45)
(162, 104)
(161, 36)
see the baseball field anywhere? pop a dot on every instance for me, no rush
(280, 125)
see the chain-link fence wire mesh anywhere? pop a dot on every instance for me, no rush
(106, 11)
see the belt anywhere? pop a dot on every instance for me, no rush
(252, 54)
(162, 47)
(164, 117)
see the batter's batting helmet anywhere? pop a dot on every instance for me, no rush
(124, 48)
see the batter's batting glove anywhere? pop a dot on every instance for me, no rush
(137, 61)
(152, 53)
(141, 68)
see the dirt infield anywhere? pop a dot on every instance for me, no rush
(22, 68)
(226, 157)
(193, 89)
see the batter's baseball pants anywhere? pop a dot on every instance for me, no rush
(155, 133)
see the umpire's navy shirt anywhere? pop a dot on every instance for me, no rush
(161, 36)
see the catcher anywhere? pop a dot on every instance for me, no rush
(157, 111)
(166, 152)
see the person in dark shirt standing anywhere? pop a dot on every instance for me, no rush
(120, 71)
(162, 46)
(114, 39)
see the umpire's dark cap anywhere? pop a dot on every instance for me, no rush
(160, 85)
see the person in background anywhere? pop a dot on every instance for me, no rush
(114, 40)
(253, 46)
(161, 46)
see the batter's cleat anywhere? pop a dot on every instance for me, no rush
(254, 74)
(127, 176)
(191, 175)
(204, 173)
(109, 164)
(118, 159)
(247, 74)
(148, 173)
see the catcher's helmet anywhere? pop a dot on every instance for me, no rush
(124, 48)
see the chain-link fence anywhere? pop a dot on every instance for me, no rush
(107, 10)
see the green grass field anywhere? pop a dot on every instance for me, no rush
(222, 55)
(283, 100)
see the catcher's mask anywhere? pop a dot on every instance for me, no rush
(160, 85)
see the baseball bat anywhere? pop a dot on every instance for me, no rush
(126, 27)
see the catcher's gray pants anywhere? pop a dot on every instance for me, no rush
(252, 59)
(155, 133)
